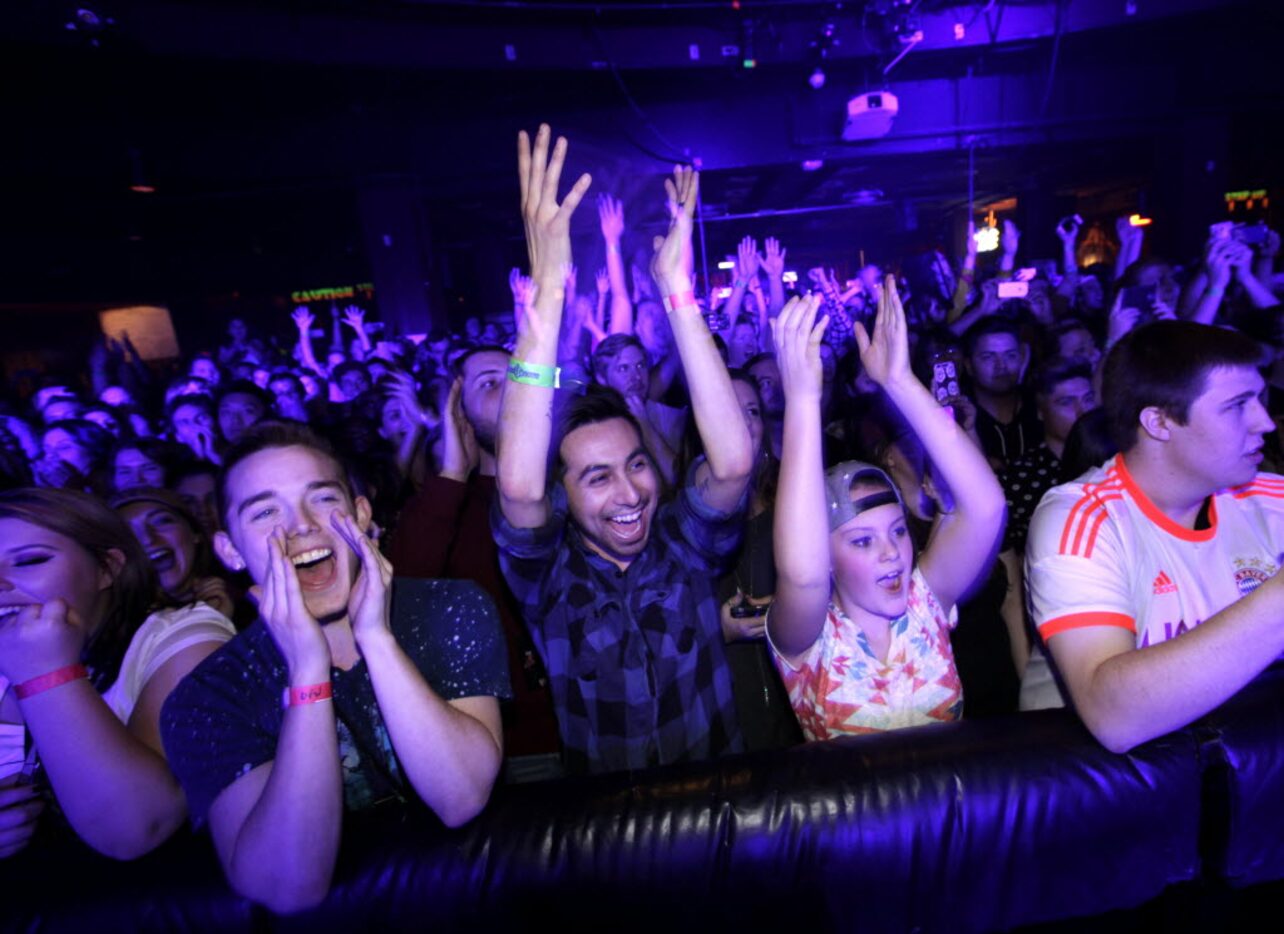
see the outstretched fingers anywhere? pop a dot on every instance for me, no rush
(575, 195)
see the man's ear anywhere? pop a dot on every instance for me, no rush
(112, 564)
(227, 552)
(1156, 423)
(362, 513)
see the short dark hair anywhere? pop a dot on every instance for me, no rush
(1166, 365)
(349, 366)
(198, 399)
(597, 404)
(1056, 370)
(273, 434)
(987, 326)
(457, 364)
(245, 387)
(758, 358)
(609, 349)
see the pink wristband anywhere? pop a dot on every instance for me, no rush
(50, 680)
(308, 694)
(679, 300)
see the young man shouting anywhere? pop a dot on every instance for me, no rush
(330, 699)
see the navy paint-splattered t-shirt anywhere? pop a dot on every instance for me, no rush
(224, 719)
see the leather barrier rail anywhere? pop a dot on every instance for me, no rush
(975, 826)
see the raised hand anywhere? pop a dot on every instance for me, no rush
(548, 224)
(354, 318)
(603, 281)
(459, 454)
(297, 634)
(1121, 321)
(370, 601)
(747, 259)
(38, 639)
(670, 262)
(303, 318)
(610, 212)
(1010, 240)
(773, 262)
(885, 355)
(1269, 246)
(522, 289)
(1241, 258)
(1068, 229)
(1218, 256)
(403, 389)
(797, 335)
(1129, 237)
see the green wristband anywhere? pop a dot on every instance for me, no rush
(534, 374)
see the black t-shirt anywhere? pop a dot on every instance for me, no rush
(223, 720)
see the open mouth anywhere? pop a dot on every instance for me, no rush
(893, 583)
(627, 526)
(162, 559)
(315, 568)
(8, 612)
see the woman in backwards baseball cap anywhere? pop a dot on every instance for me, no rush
(859, 628)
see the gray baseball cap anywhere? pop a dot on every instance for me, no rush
(838, 491)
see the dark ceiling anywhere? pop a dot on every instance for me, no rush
(260, 124)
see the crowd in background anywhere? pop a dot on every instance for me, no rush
(1011, 352)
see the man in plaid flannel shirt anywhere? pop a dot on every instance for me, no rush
(616, 588)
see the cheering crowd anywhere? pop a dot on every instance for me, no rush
(629, 528)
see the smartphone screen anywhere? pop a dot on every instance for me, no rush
(1013, 289)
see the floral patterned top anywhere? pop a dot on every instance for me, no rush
(840, 686)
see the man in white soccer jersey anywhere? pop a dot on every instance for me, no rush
(1152, 579)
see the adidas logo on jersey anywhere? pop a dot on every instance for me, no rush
(1164, 584)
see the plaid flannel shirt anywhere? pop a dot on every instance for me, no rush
(635, 658)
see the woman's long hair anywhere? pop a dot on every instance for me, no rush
(94, 527)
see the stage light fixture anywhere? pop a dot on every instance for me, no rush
(817, 79)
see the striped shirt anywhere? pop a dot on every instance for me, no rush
(1100, 553)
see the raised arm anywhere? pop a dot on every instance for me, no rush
(277, 827)
(1010, 241)
(355, 318)
(963, 544)
(1207, 293)
(303, 321)
(967, 276)
(526, 413)
(1067, 233)
(800, 530)
(610, 212)
(451, 750)
(725, 473)
(773, 264)
(746, 270)
(1130, 240)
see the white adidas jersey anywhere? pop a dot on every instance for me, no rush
(1101, 554)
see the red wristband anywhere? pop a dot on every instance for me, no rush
(679, 300)
(307, 694)
(52, 679)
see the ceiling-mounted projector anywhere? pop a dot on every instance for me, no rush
(870, 116)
